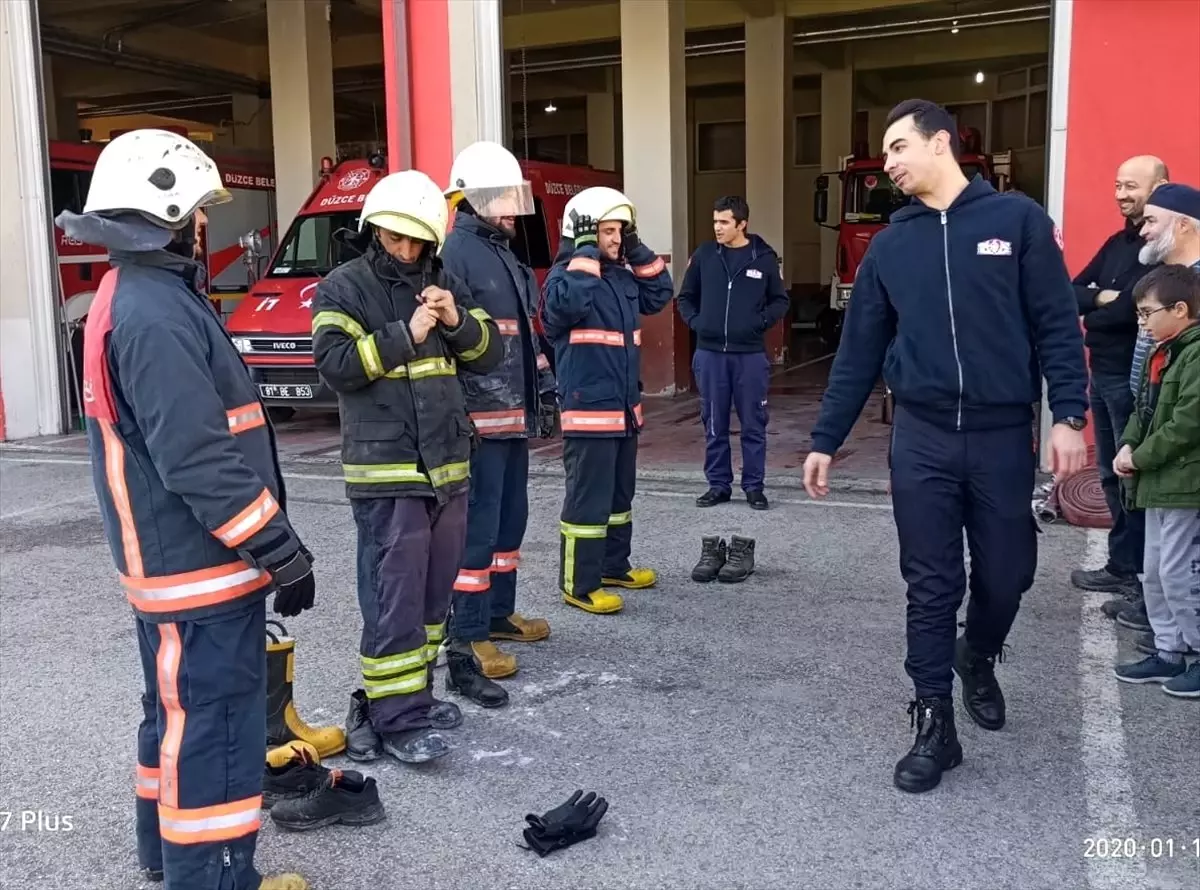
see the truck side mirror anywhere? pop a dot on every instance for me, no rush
(821, 201)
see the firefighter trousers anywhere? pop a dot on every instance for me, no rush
(596, 531)
(409, 550)
(942, 483)
(498, 512)
(201, 746)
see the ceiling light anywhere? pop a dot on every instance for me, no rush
(954, 27)
(550, 108)
(979, 77)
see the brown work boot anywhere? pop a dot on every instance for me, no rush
(519, 629)
(284, 882)
(493, 663)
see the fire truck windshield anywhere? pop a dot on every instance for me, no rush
(871, 197)
(309, 250)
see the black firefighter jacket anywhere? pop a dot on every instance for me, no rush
(405, 430)
(505, 403)
(183, 454)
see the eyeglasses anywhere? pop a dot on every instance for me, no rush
(1144, 315)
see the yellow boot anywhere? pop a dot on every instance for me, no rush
(283, 723)
(598, 602)
(493, 663)
(289, 881)
(634, 579)
(285, 754)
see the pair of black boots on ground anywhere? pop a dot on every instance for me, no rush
(937, 748)
(731, 562)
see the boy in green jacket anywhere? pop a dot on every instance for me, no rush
(1159, 462)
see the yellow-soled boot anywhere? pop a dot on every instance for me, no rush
(598, 602)
(519, 629)
(289, 881)
(283, 723)
(634, 579)
(285, 754)
(493, 663)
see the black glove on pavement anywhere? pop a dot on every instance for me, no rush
(295, 586)
(567, 824)
(586, 229)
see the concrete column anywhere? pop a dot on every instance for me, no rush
(654, 139)
(252, 126)
(837, 133)
(602, 127)
(301, 61)
(770, 135)
(29, 368)
(876, 117)
(60, 113)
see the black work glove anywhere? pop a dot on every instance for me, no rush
(629, 238)
(547, 416)
(566, 824)
(295, 586)
(587, 229)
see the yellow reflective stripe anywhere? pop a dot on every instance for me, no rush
(386, 665)
(432, 367)
(568, 564)
(621, 518)
(448, 473)
(434, 634)
(338, 320)
(368, 353)
(469, 355)
(382, 473)
(570, 530)
(405, 685)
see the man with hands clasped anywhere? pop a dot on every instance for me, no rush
(392, 331)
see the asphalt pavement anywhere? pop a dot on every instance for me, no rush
(744, 735)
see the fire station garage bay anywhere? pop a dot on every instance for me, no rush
(679, 103)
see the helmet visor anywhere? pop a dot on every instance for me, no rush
(401, 224)
(494, 203)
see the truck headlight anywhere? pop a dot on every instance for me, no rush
(241, 344)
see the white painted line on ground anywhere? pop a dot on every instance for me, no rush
(650, 492)
(1107, 778)
(13, 514)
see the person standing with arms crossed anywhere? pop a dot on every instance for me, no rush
(732, 294)
(963, 302)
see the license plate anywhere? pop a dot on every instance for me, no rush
(289, 391)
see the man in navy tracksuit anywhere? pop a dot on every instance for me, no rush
(963, 302)
(732, 294)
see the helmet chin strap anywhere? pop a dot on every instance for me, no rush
(183, 241)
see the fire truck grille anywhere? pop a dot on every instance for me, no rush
(284, 376)
(281, 346)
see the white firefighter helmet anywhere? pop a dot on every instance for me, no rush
(600, 203)
(159, 174)
(489, 177)
(407, 203)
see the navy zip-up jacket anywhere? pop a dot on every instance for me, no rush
(731, 305)
(963, 310)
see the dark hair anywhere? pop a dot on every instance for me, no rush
(736, 205)
(928, 117)
(1171, 285)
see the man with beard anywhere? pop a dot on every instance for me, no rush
(963, 301)
(1104, 291)
(508, 405)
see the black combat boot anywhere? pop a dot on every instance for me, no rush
(442, 714)
(415, 745)
(362, 741)
(740, 563)
(936, 748)
(463, 677)
(712, 497)
(981, 693)
(712, 558)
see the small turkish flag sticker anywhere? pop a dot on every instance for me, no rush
(1058, 237)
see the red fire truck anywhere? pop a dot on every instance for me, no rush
(249, 217)
(272, 327)
(868, 199)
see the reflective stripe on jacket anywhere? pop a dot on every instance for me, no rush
(591, 314)
(405, 431)
(183, 455)
(504, 403)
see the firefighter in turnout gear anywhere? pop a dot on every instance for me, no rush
(603, 279)
(193, 504)
(392, 332)
(508, 406)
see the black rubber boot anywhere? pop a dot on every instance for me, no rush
(153, 874)
(981, 693)
(415, 745)
(463, 677)
(362, 741)
(740, 562)
(443, 714)
(344, 796)
(283, 722)
(712, 558)
(935, 750)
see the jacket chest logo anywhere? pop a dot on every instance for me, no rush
(753, 273)
(994, 247)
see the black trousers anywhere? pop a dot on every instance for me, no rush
(942, 483)
(596, 531)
